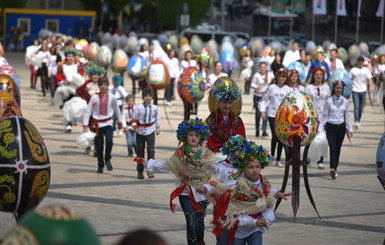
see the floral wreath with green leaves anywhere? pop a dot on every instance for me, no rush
(197, 125)
(92, 68)
(241, 151)
(227, 92)
(72, 51)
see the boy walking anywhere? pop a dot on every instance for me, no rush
(127, 121)
(146, 123)
(102, 107)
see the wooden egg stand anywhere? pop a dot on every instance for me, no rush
(294, 160)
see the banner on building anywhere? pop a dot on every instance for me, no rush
(319, 7)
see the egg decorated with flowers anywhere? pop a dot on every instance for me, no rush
(92, 51)
(296, 116)
(158, 76)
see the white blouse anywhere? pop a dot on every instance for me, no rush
(259, 84)
(273, 99)
(336, 111)
(318, 95)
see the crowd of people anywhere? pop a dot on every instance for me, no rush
(216, 162)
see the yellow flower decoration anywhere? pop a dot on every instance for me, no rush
(312, 113)
(307, 98)
(9, 138)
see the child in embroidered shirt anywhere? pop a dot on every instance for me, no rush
(146, 123)
(245, 210)
(127, 121)
(191, 163)
(101, 107)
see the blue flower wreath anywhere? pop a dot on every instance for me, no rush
(197, 125)
(92, 68)
(227, 92)
(240, 151)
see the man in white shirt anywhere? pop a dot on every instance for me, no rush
(335, 63)
(291, 55)
(361, 78)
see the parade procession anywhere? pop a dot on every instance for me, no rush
(123, 136)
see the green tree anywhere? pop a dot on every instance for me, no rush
(166, 12)
(12, 3)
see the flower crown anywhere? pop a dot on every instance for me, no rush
(227, 92)
(92, 68)
(336, 82)
(280, 71)
(291, 72)
(72, 51)
(241, 151)
(197, 125)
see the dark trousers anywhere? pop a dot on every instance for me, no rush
(275, 140)
(104, 133)
(335, 134)
(141, 142)
(195, 225)
(169, 91)
(256, 100)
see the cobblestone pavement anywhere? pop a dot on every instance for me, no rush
(352, 207)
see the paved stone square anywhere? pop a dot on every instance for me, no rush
(352, 207)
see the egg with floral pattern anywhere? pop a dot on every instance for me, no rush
(296, 116)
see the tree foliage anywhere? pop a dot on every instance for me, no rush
(163, 12)
(12, 3)
(166, 12)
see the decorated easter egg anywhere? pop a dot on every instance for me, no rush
(122, 43)
(380, 160)
(191, 85)
(213, 102)
(84, 44)
(341, 74)
(183, 41)
(9, 85)
(227, 47)
(143, 41)
(92, 51)
(8, 106)
(353, 53)
(381, 50)
(326, 44)
(276, 45)
(243, 50)
(119, 61)
(173, 40)
(332, 46)
(158, 76)
(205, 57)
(266, 51)
(364, 48)
(196, 44)
(257, 45)
(228, 61)
(137, 66)
(9, 70)
(342, 55)
(104, 56)
(53, 224)
(183, 49)
(301, 70)
(296, 116)
(24, 166)
(318, 48)
(106, 38)
(132, 44)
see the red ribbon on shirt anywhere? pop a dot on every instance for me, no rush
(179, 191)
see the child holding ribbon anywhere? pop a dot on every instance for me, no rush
(192, 165)
(245, 209)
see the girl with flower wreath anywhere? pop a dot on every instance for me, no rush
(192, 165)
(245, 209)
(223, 122)
(293, 81)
